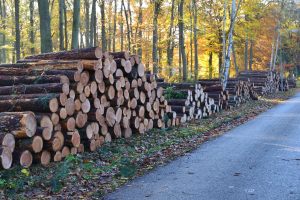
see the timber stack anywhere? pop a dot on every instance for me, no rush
(62, 103)
(264, 82)
(214, 89)
(189, 100)
(292, 82)
(238, 91)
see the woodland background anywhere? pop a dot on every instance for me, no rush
(178, 39)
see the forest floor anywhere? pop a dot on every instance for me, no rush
(92, 175)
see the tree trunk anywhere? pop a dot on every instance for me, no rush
(246, 54)
(181, 41)
(235, 61)
(170, 50)
(93, 25)
(251, 55)
(128, 26)
(87, 22)
(17, 29)
(31, 33)
(155, 37)
(195, 39)
(75, 29)
(61, 25)
(121, 29)
(45, 28)
(230, 43)
(140, 34)
(114, 27)
(103, 33)
(210, 60)
(66, 27)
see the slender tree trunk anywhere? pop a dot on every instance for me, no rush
(181, 41)
(109, 26)
(170, 50)
(155, 37)
(87, 23)
(235, 61)
(66, 27)
(140, 21)
(61, 24)
(191, 11)
(17, 29)
(276, 52)
(220, 54)
(93, 24)
(122, 29)
(128, 26)
(76, 23)
(31, 32)
(230, 43)
(45, 28)
(114, 26)
(210, 62)
(103, 34)
(196, 40)
(251, 55)
(246, 54)
(223, 41)
(3, 18)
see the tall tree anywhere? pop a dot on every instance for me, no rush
(76, 23)
(31, 32)
(251, 55)
(140, 21)
(103, 30)
(181, 40)
(87, 22)
(246, 54)
(114, 27)
(170, 49)
(66, 27)
(17, 28)
(3, 35)
(195, 13)
(121, 28)
(61, 24)
(45, 28)
(157, 4)
(93, 24)
(128, 26)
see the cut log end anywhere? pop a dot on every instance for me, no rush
(6, 157)
(9, 141)
(37, 144)
(26, 159)
(45, 158)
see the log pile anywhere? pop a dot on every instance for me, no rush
(284, 85)
(189, 100)
(264, 82)
(292, 82)
(62, 103)
(239, 91)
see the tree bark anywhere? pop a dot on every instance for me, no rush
(45, 28)
(128, 26)
(17, 29)
(195, 39)
(76, 21)
(251, 55)
(114, 27)
(246, 54)
(157, 5)
(103, 30)
(87, 22)
(140, 34)
(31, 32)
(170, 50)
(210, 67)
(181, 41)
(61, 25)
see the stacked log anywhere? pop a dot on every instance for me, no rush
(264, 82)
(189, 101)
(292, 82)
(62, 103)
(237, 91)
(284, 85)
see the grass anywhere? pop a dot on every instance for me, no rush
(92, 175)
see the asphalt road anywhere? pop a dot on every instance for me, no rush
(257, 160)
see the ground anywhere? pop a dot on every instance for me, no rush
(92, 175)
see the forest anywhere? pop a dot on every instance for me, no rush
(178, 39)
